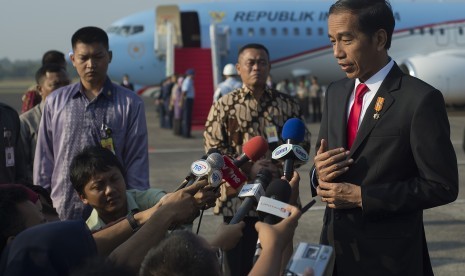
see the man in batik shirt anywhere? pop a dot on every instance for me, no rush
(253, 110)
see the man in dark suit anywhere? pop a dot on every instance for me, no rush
(382, 158)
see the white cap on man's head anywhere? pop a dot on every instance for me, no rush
(229, 70)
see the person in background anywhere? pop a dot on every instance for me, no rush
(92, 111)
(270, 83)
(126, 83)
(176, 105)
(32, 97)
(48, 78)
(384, 152)
(302, 96)
(188, 95)
(163, 102)
(315, 99)
(12, 163)
(229, 84)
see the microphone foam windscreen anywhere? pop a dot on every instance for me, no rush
(280, 190)
(255, 148)
(215, 160)
(293, 129)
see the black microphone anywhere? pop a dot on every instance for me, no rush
(293, 133)
(190, 179)
(279, 190)
(253, 194)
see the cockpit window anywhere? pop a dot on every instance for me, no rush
(125, 30)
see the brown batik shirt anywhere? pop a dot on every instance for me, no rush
(238, 116)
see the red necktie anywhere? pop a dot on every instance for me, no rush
(354, 116)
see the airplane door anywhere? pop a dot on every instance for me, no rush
(190, 29)
(164, 14)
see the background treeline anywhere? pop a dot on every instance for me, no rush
(21, 69)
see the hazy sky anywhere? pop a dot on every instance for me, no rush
(28, 28)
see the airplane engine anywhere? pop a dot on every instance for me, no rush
(443, 70)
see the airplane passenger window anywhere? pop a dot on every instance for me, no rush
(441, 31)
(273, 31)
(431, 31)
(422, 31)
(112, 29)
(296, 31)
(125, 30)
(320, 31)
(309, 31)
(285, 31)
(239, 31)
(250, 32)
(460, 31)
(262, 31)
(137, 29)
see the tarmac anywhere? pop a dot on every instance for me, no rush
(170, 158)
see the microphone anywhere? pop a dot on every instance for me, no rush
(253, 150)
(252, 193)
(278, 190)
(191, 178)
(293, 133)
(215, 160)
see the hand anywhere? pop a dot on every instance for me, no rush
(181, 205)
(294, 183)
(278, 235)
(340, 195)
(266, 164)
(227, 236)
(329, 164)
(206, 196)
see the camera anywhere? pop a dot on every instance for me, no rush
(317, 256)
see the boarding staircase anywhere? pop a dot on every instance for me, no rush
(200, 60)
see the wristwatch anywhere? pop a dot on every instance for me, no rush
(132, 221)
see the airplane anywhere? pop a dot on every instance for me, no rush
(428, 42)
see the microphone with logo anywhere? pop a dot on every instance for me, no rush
(252, 150)
(269, 206)
(197, 168)
(251, 194)
(293, 133)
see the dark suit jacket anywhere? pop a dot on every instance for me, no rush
(404, 162)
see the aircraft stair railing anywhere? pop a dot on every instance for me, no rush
(219, 40)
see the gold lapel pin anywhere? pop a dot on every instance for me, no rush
(378, 107)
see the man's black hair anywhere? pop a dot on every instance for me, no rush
(89, 35)
(88, 163)
(373, 15)
(181, 253)
(50, 68)
(53, 57)
(253, 46)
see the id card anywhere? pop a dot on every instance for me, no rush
(10, 156)
(271, 134)
(108, 144)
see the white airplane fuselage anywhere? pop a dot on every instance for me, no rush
(428, 41)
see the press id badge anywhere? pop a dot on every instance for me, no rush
(108, 144)
(106, 141)
(271, 134)
(10, 156)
